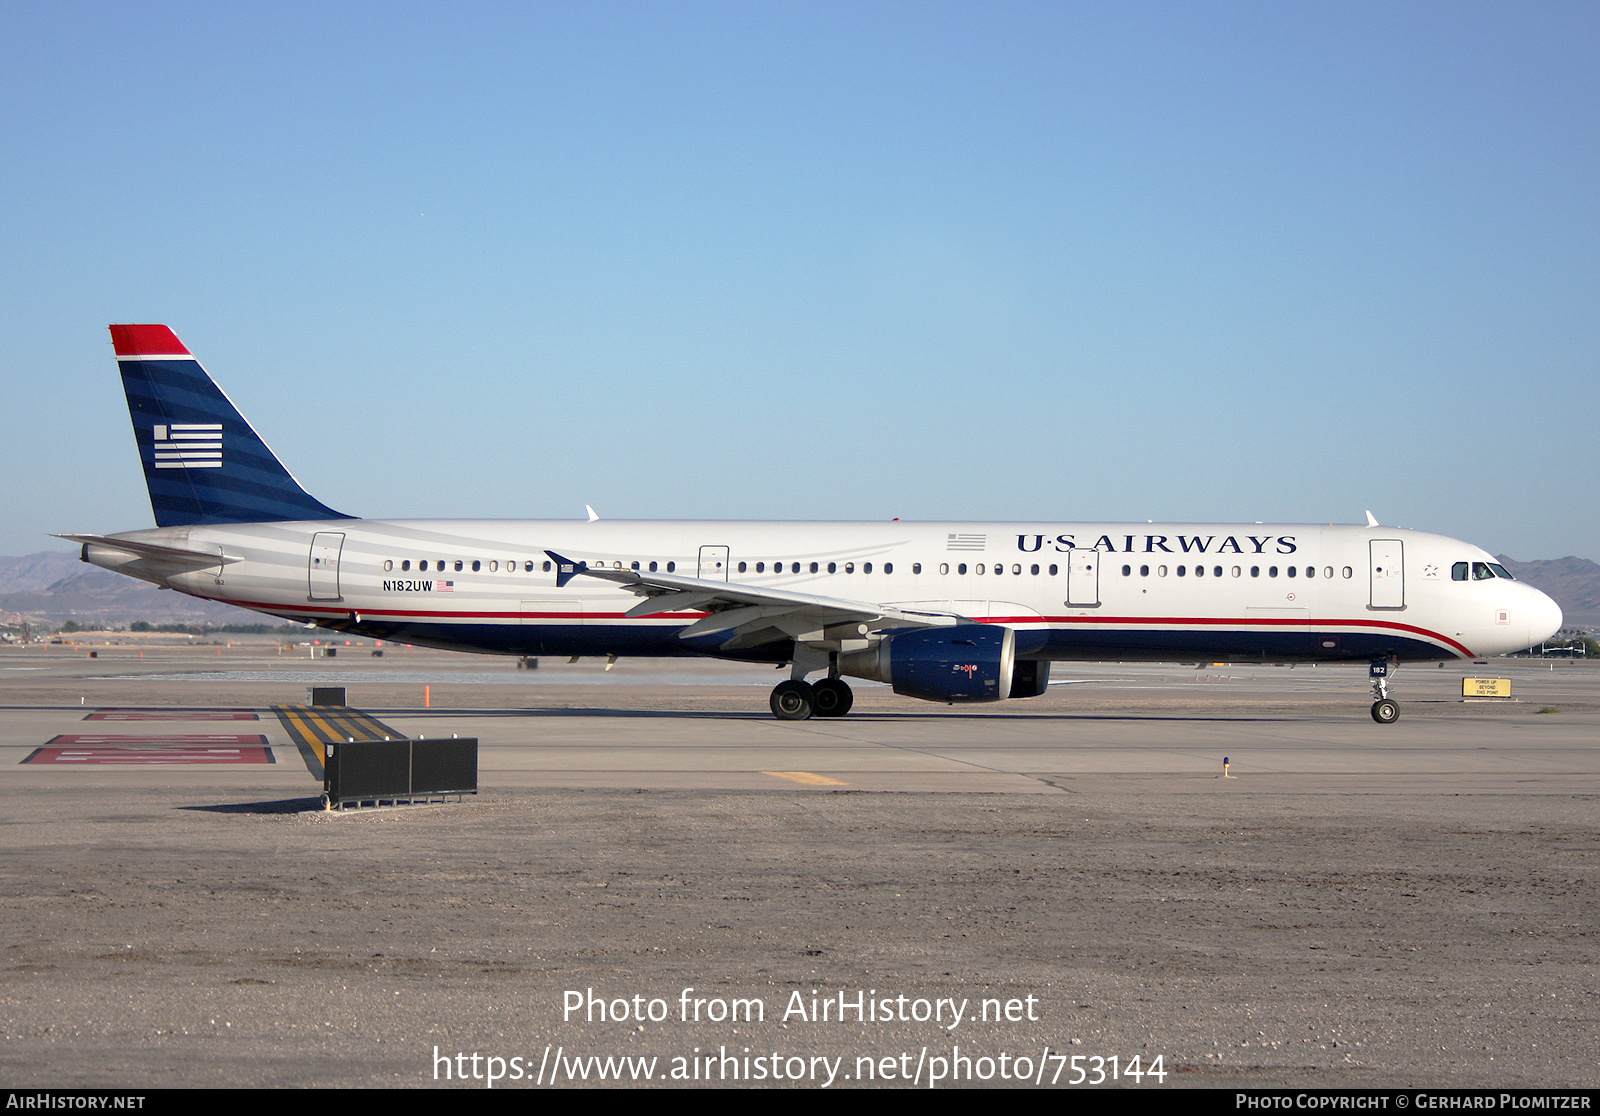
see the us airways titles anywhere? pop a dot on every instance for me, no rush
(1157, 544)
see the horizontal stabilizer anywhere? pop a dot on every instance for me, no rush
(167, 555)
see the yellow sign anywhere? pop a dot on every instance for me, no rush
(1486, 687)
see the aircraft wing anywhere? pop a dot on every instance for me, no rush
(747, 615)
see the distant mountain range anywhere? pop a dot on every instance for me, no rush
(53, 587)
(1573, 583)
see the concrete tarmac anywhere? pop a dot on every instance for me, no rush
(1405, 905)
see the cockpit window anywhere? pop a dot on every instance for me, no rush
(1501, 571)
(1481, 571)
(1458, 572)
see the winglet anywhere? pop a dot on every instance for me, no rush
(1371, 522)
(593, 515)
(566, 568)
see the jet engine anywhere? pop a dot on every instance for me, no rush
(969, 662)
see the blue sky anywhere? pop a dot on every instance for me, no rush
(973, 261)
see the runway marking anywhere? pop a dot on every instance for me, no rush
(313, 728)
(172, 715)
(153, 740)
(150, 750)
(808, 778)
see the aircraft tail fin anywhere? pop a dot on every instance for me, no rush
(202, 461)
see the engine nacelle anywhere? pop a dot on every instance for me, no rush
(969, 662)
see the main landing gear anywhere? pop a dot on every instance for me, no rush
(796, 700)
(1384, 710)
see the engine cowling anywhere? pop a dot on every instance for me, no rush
(966, 663)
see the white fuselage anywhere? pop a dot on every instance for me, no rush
(1169, 592)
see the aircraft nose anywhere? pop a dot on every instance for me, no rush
(1544, 617)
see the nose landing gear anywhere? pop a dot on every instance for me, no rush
(1384, 710)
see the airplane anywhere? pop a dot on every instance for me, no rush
(945, 612)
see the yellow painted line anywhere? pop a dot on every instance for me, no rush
(809, 778)
(309, 734)
(316, 730)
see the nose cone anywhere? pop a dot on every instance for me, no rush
(1544, 617)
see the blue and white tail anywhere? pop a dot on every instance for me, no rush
(202, 461)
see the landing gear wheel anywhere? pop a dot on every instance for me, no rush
(1385, 712)
(792, 701)
(832, 697)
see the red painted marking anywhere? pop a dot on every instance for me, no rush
(171, 715)
(1258, 622)
(150, 755)
(162, 740)
(146, 340)
(1067, 621)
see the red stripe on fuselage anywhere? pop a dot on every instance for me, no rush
(1059, 621)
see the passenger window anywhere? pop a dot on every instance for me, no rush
(978, 569)
(888, 567)
(1144, 571)
(672, 567)
(1161, 571)
(1127, 571)
(1348, 571)
(962, 568)
(849, 567)
(1311, 571)
(761, 567)
(866, 567)
(1216, 572)
(1182, 570)
(527, 567)
(944, 567)
(1327, 571)
(406, 565)
(634, 566)
(741, 566)
(1053, 569)
(831, 568)
(814, 568)
(1255, 571)
(546, 567)
(477, 566)
(795, 568)
(916, 567)
(1034, 569)
(1236, 571)
(494, 566)
(1291, 571)
(1272, 571)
